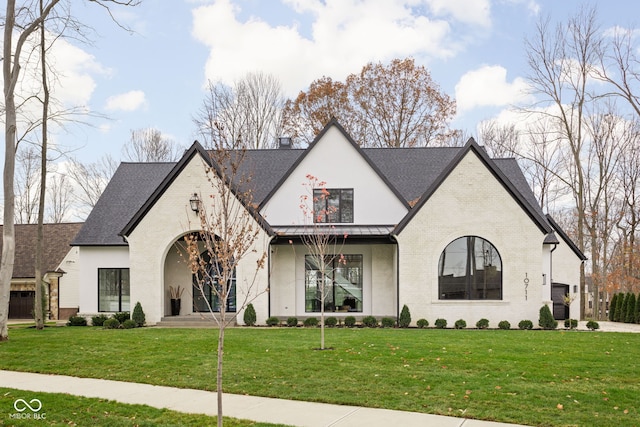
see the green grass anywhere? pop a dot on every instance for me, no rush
(547, 378)
(65, 410)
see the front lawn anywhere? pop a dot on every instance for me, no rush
(551, 378)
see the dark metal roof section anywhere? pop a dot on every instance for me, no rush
(551, 239)
(566, 238)
(130, 186)
(56, 245)
(528, 203)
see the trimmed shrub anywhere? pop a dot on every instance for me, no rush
(121, 316)
(441, 323)
(503, 324)
(311, 322)
(292, 321)
(129, 324)
(525, 324)
(111, 323)
(482, 324)
(349, 321)
(273, 321)
(250, 318)
(330, 321)
(422, 323)
(98, 320)
(546, 320)
(405, 317)
(571, 323)
(370, 322)
(593, 325)
(630, 311)
(612, 307)
(77, 321)
(388, 322)
(138, 315)
(460, 324)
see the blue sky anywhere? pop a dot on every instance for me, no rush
(155, 77)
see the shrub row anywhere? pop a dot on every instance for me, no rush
(624, 307)
(122, 320)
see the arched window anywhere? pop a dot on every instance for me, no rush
(470, 268)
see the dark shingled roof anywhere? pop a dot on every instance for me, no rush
(57, 241)
(130, 187)
(409, 170)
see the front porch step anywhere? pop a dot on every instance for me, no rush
(190, 321)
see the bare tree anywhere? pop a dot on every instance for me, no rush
(148, 145)
(246, 115)
(60, 194)
(27, 184)
(90, 180)
(322, 241)
(230, 236)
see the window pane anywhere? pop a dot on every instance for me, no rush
(319, 206)
(342, 284)
(125, 293)
(346, 206)
(470, 268)
(113, 289)
(333, 205)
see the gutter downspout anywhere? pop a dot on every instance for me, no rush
(395, 240)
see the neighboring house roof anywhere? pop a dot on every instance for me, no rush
(128, 190)
(56, 245)
(413, 174)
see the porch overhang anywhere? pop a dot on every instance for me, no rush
(349, 232)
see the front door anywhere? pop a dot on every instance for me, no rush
(558, 293)
(207, 299)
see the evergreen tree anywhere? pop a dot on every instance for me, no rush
(250, 315)
(612, 307)
(546, 320)
(637, 311)
(138, 315)
(619, 307)
(405, 317)
(630, 312)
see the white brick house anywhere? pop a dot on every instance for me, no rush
(449, 232)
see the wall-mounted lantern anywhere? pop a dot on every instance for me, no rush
(194, 201)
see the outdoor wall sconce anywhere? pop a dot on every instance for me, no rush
(194, 201)
(544, 279)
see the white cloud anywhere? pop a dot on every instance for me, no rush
(488, 86)
(341, 39)
(468, 11)
(128, 101)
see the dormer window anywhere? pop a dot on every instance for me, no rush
(333, 205)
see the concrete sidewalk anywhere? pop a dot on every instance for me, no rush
(261, 409)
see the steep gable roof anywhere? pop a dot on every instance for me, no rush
(57, 240)
(333, 123)
(130, 186)
(471, 146)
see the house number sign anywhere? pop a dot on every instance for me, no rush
(526, 285)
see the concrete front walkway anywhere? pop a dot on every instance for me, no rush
(261, 409)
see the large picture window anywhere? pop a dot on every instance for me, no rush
(113, 289)
(470, 268)
(333, 205)
(342, 283)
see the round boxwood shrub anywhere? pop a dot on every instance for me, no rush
(571, 323)
(129, 324)
(460, 324)
(482, 324)
(111, 323)
(330, 321)
(405, 317)
(310, 322)
(250, 315)
(593, 325)
(349, 321)
(273, 321)
(122, 316)
(503, 324)
(77, 321)
(138, 315)
(98, 320)
(441, 323)
(292, 321)
(388, 322)
(525, 324)
(422, 323)
(370, 322)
